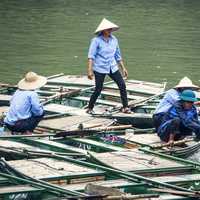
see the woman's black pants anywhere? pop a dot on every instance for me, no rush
(99, 79)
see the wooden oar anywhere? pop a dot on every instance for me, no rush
(131, 197)
(61, 95)
(109, 193)
(179, 142)
(91, 131)
(134, 103)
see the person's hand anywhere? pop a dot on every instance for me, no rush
(90, 74)
(197, 103)
(125, 73)
(170, 143)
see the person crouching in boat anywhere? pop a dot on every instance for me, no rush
(25, 110)
(170, 98)
(180, 120)
(104, 57)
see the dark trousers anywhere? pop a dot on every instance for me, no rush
(157, 120)
(25, 124)
(99, 79)
(176, 128)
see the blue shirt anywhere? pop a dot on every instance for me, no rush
(23, 105)
(171, 97)
(105, 54)
(188, 118)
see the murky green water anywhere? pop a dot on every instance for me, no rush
(159, 39)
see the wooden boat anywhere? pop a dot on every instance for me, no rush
(69, 94)
(183, 148)
(151, 169)
(70, 176)
(130, 138)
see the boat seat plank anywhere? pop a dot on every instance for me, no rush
(140, 87)
(72, 80)
(107, 183)
(48, 168)
(152, 84)
(58, 145)
(67, 87)
(100, 101)
(18, 189)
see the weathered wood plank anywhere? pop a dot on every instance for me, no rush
(46, 168)
(134, 160)
(18, 189)
(72, 122)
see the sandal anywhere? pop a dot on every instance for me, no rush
(89, 111)
(126, 110)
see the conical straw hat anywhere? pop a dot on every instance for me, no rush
(186, 83)
(106, 24)
(32, 81)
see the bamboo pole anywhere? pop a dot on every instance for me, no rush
(179, 142)
(26, 136)
(89, 131)
(131, 197)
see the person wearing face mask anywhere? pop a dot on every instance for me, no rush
(180, 120)
(170, 98)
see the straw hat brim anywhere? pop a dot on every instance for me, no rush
(113, 29)
(24, 85)
(187, 86)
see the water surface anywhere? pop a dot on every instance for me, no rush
(159, 39)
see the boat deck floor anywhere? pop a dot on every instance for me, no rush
(142, 139)
(48, 168)
(134, 160)
(18, 189)
(62, 109)
(72, 122)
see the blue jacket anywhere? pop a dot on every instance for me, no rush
(188, 118)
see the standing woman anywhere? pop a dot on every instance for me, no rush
(104, 57)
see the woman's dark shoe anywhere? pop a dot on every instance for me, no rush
(90, 111)
(126, 110)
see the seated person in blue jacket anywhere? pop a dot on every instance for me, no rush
(180, 120)
(25, 110)
(170, 98)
